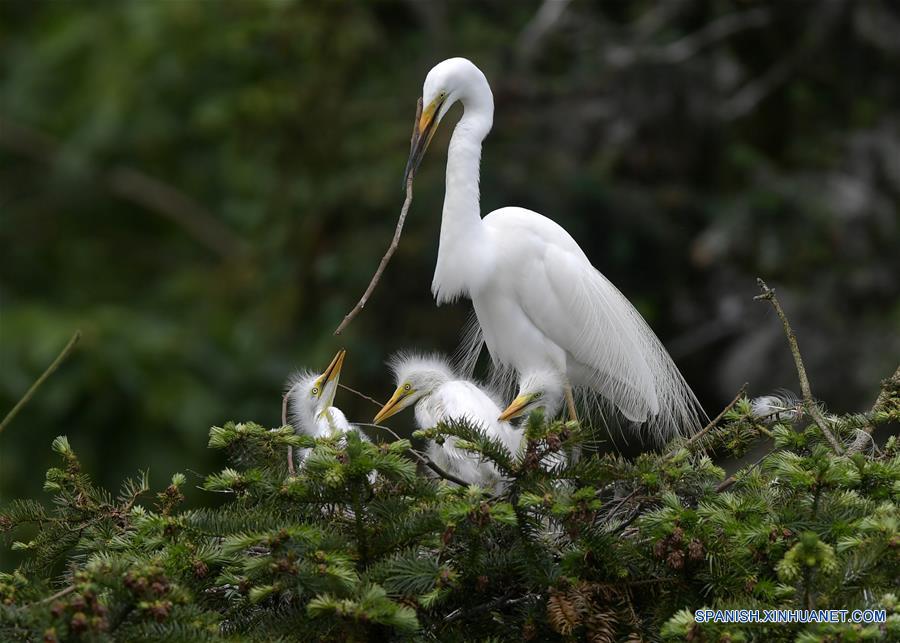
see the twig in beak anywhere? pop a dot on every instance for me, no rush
(394, 242)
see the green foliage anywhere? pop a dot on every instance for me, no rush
(359, 545)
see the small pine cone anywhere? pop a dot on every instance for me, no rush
(6, 525)
(529, 631)
(660, 547)
(677, 535)
(553, 442)
(79, 622)
(447, 536)
(50, 636)
(200, 568)
(696, 551)
(99, 624)
(443, 578)
(160, 610)
(58, 609)
(675, 559)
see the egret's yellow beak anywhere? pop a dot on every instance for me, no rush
(517, 407)
(332, 373)
(422, 135)
(393, 405)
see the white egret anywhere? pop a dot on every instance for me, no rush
(541, 389)
(439, 394)
(310, 400)
(539, 301)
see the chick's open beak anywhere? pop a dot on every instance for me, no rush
(516, 408)
(393, 405)
(422, 135)
(332, 373)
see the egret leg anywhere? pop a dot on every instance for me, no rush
(573, 415)
(570, 402)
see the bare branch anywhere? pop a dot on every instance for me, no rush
(715, 421)
(425, 460)
(394, 242)
(362, 395)
(809, 403)
(37, 383)
(730, 480)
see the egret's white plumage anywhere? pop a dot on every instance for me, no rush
(311, 409)
(538, 389)
(539, 301)
(440, 394)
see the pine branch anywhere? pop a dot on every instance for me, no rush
(809, 402)
(888, 386)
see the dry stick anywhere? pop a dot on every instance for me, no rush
(37, 383)
(63, 592)
(730, 480)
(808, 401)
(362, 395)
(394, 242)
(425, 460)
(709, 427)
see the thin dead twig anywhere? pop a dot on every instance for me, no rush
(394, 242)
(37, 383)
(715, 421)
(426, 461)
(809, 402)
(362, 395)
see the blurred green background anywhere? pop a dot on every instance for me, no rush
(204, 189)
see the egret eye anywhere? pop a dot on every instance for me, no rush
(315, 390)
(406, 387)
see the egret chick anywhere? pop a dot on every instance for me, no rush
(310, 400)
(539, 301)
(439, 395)
(542, 389)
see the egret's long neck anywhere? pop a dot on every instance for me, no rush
(462, 251)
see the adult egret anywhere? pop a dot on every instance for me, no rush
(310, 400)
(538, 300)
(439, 394)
